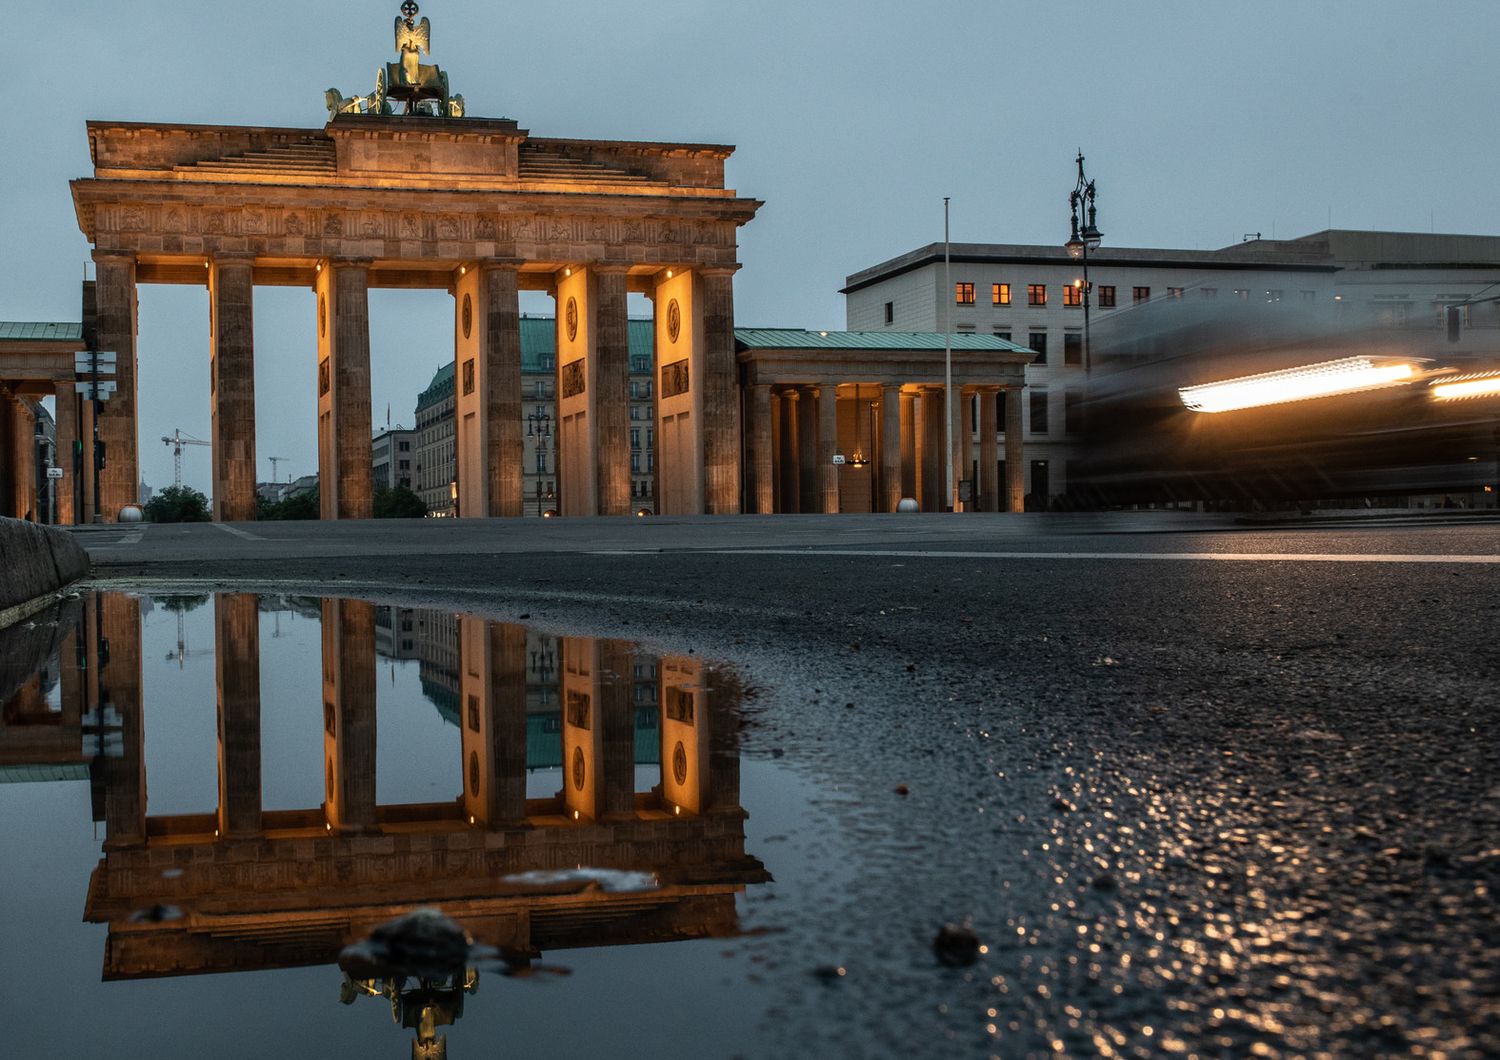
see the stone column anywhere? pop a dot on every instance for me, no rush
(961, 441)
(791, 452)
(87, 472)
(778, 468)
(237, 673)
(487, 391)
(12, 457)
(828, 444)
(965, 469)
(808, 498)
(65, 410)
(349, 715)
(934, 485)
(231, 292)
(114, 327)
(345, 473)
(762, 446)
(721, 401)
(609, 404)
(909, 445)
(617, 714)
(582, 729)
(989, 456)
(1015, 451)
(890, 447)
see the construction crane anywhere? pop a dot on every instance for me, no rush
(177, 440)
(274, 461)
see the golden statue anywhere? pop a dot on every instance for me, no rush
(412, 39)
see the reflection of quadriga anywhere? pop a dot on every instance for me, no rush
(272, 888)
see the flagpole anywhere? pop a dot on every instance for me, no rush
(947, 299)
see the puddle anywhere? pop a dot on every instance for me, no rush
(230, 790)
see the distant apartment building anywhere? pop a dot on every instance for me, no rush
(434, 442)
(393, 455)
(1033, 295)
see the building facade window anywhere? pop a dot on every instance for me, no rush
(890, 312)
(1107, 297)
(1174, 293)
(1000, 294)
(1209, 292)
(1038, 412)
(1242, 293)
(635, 437)
(1036, 294)
(963, 293)
(1037, 340)
(1072, 413)
(1309, 296)
(1072, 347)
(1003, 333)
(1273, 296)
(1140, 294)
(1072, 296)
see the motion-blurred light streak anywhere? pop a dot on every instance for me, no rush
(1457, 388)
(1348, 375)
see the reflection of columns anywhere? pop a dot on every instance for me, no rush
(989, 457)
(115, 329)
(828, 444)
(684, 734)
(722, 784)
(237, 671)
(231, 292)
(890, 447)
(933, 499)
(349, 715)
(65, 410)
(762, 448)
(116, 620)
(492, 680)
(908, 445)
(721, 405)
(582, 729)
(487, 392)
(609, 407)
(345, 473)
(1015, 472)
(86, 476)
(614, 686)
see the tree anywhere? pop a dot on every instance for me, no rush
(399, 502)
(298, 506)
(178, 504)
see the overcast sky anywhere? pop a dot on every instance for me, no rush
(1201, 121)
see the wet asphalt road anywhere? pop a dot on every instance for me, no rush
(1191, 807)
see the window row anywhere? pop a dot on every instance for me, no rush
(1037, 407)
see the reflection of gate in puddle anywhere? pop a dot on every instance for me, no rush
(264, 889)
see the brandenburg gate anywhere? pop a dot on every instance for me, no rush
(431, 198)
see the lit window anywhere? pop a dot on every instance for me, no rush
(963, 294)
(1072, 296)
(1106, 297)
(1140, 294)
(1036, 294)
(1000, 294)
(1174, 293)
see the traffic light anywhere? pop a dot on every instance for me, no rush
(98, 456)
(77, 455)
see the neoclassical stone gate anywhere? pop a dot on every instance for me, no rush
(477, 207)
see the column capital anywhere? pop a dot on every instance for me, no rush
(348, 263)
(716, 270)
(113, 257)
(232, 257)
(496, 264)
(608, 268)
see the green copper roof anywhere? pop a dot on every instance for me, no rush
(802, 339)
(538, 350)
(22, 331)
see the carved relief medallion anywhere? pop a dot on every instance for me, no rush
(572, 319)
(468, 315)
(322, 316)
(674, 320)
(679, 763)
(579, 769)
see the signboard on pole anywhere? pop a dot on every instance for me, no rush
(96, 391)
(104, 361)
(54, 472)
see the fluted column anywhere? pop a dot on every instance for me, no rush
(989, 456)
(890, 447)
(720, 422)
(114, 326)
(828, 444)
(610, 405)
(231, 294)
(966, 446)
(762, 449)
(487, 391)
(933, 443)
(1015, 450)
(345, 473)
(909, 445)
(617, 714)
(349, 715)
(65, 410)
(808, 498)
(791, 453)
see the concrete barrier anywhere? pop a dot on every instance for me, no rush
(35, 562)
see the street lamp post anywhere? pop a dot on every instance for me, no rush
(1085, 237)
(539, 426)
